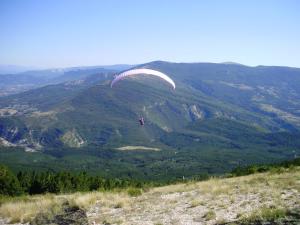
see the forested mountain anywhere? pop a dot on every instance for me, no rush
(218, 117)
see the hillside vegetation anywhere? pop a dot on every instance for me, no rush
(219, 117)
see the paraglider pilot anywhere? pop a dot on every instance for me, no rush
(141, 120)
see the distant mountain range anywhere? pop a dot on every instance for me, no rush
(13, 69)
(13, 83)
(219, 116)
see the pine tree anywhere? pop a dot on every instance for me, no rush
(9, 184)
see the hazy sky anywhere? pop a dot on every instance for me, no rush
(75, 33)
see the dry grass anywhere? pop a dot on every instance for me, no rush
(210, 215)
(196, 202)
(252, 183)
(108, 199)
(24, 210)
(265, 213)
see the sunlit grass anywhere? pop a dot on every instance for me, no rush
(265, 213)
(26, 210)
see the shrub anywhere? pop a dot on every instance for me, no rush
(210, 215)
(133, 192)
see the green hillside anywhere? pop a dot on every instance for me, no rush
(220, 116)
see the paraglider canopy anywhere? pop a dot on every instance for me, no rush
(143, 71)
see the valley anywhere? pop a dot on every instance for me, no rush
(220, 116)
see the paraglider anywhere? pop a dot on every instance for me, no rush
(134, 72)
(142, 122)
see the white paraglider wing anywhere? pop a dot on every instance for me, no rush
(143, 71)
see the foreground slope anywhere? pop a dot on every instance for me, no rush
(272, 197)
(216, 201)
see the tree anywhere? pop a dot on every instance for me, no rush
(9, 184)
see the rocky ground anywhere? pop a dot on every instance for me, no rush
(212, 202)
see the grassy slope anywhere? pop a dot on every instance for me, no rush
(267, 196)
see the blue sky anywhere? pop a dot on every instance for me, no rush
(66, 33)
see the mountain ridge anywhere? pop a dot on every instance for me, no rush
(217, 112)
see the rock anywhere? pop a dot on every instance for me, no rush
(70, 215)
